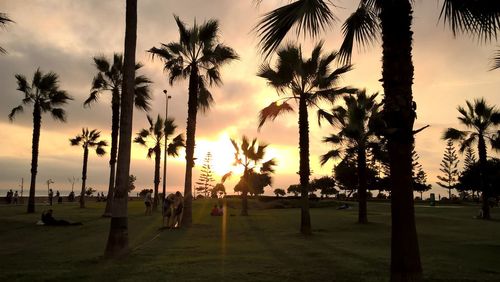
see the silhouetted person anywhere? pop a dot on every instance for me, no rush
(71, 196)
(8, 198)
(48, 219)
(58, 196)
(15, 199)
(148, 200)
(51, 195)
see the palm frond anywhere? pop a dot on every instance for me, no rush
(58, 114)
(205, 98)
(330, 155)
(495, 60)
(15, 111)
(273, 111)
(308, 16)
(361, 27)
(453, 134)
(480, 19)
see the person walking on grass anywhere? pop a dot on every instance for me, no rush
(51, 195)
(148, 201)
(15, 199)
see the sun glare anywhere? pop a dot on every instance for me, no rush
(222, 155)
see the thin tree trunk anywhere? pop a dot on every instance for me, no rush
(157, 176)
(244, 203)
(397, 76)
(304, 170)
(117, 244)
(35, 143)
(362, 212)
(84, 176)
(482, 176)
(115, 127)
(187, 217)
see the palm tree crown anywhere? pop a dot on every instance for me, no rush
(297, 78)
(197, 50)
(90, 139)
(481, 119)
(110, 78)
(354, 121)
(43, 93)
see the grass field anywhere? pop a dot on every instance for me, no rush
(265, 246)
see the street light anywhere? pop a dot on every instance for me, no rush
(165, 149)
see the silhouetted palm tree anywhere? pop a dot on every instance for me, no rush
(117, 244)
(109, 79)
(483, 122)
(45, 95)
(393, 20)
(356, 135)
(307, 82)
(4, 21)
(199, 56)
(250, 155)
(152, 138)
(88, 139)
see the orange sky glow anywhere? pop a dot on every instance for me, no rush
(63, 36)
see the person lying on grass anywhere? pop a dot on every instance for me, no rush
(48, 219)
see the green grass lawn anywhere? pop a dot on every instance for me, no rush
(265, 246)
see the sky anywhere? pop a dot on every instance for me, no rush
(64, 36)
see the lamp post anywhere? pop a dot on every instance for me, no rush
(167, 97)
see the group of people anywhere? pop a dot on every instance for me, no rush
(173, 206)
(12, 198)
(51, 197)
(101, 197)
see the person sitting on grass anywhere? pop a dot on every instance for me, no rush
(48, 219)
(214, 211)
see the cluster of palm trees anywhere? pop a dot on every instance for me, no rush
(391, 21)
(198, 56)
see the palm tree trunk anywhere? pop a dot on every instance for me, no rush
(304, 170)
(84, 175)
(362, 213)
(115, 126)
(244, 194)
(187, 217)
(482, 176)
(157, 175)
(37, 123)
(117, 244)
(397, 76)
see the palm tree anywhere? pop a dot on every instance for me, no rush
(88, 139)
(45, 95)
(109, 79)
(355, 135)
(250, 155)
(152, 138)
(117, 244)
(483, 122)
(393, 19)
(199, 56)
(308, 82)
(4, 21)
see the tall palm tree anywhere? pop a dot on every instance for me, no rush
(4, 21)
(483, 122)
(109, 79)
(393, 20)
(117, 244)
(152, 138)
(45, 95)
(250, 155)
(199, 56)
(307, 82)
(356, 135)
(88, 139)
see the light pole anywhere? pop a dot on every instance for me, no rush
(167, 97)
